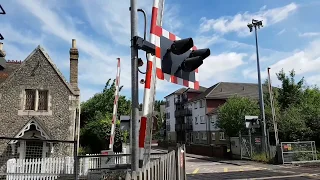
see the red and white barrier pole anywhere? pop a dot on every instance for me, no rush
(115, 106)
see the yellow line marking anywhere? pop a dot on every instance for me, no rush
(225, 169)
(195, 171)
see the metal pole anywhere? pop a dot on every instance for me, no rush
(275, 126)
(262, 113)
(134, 89)
(75, 146)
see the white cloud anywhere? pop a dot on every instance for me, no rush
(205, 41)
(309, 34)
(281, 32)
(171, 21)
(238, 23)
(312, 80)
(216, 67)
(303, 62)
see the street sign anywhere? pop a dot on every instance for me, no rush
(251, 117)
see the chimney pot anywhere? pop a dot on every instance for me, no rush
(74, 43)
(1, 46)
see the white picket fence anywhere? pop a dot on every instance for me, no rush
(52, 168)
(44, 168)
(99, 162)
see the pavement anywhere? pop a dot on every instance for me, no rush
(202, 167)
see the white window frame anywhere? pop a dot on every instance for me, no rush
(213, 136)
(201, 104)
(222, 136)
(197, 135)
(204, 135)
(202, 121)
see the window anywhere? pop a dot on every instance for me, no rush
(30, 99)
(197, 135)
(196, 120)
(222, 136)
(168, 115)
(201, 104)
(43, 100)
(213, 136)
(204, 135)
(33, 149)
(202, 119)
(167, 103)
(195, 105)
(212, 119)
(36, 100)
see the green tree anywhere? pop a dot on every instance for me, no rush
(94, 136)
(310, 108)
(232, 113)
(102, 103)
(292, 126)
(290, 92)
(96, 117)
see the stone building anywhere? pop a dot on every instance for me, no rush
(36, 101)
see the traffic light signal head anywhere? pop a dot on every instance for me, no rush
(179, 60)
(181, 46)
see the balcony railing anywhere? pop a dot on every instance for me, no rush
(180, 127)
(189, 127)
(183, 112)
(187, 112)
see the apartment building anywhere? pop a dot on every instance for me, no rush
(199, 112)
(175, 113)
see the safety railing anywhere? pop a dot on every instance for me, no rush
(169, 166)
(298, 152)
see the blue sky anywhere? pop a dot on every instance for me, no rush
(290, 38)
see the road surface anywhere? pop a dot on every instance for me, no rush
(205, 170)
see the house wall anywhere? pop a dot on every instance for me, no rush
(58, 121)
(214, 103)
(171, 120)
(191, 95)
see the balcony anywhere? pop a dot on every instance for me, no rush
(178, 113)
(187, 112)
(180, 127)
(189, 127)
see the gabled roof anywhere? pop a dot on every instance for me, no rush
(10, 67)
(201, 89)
(204, 94)
(179, 91)
(213, 111)
(39, 48)
(225, 90)
(39, 127)
(182, 90)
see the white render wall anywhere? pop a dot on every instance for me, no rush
(213, 123)
(197, 112)
(171, 110)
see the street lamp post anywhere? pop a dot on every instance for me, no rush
(257, 24)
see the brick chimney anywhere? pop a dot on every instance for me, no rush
(74, 56)
(2, 52)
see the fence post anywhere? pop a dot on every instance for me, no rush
(75, 161)
(240, 144)
(184, 162)
(250, 140)
(178, 170)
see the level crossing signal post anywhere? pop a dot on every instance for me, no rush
(178, 57)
